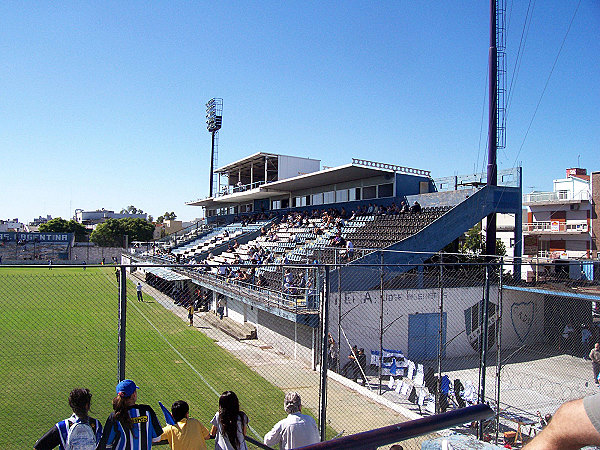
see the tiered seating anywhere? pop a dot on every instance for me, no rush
(217, 237)
(383, 231)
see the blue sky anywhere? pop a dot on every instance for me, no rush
(102, 103)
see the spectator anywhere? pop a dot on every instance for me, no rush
(362, 365)
(229, 424)
(120, 430)
(348, 368)
(58, 435)
(191, 314)
(415, 208)
(332, 353)
(221, 306)
(139, 292)
(188, 434)
(296, 430)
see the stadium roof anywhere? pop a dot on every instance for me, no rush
(254, 158)
(166, 274)
(333, 175)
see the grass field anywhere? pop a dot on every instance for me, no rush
(59, 330)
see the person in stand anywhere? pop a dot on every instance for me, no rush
(58, 435)
(595, 357)
(139, 292)
(188, 434)
(229, 424)
(130, 426)
(296, 430)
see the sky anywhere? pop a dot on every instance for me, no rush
(102, 104)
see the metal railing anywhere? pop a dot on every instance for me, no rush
(559, 196)
(555, 226)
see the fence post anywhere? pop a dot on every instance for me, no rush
(499, 347)
(380, 320)
(324, 362)
(122, 320)
(483, 340)
(339, 330)
(441, 337)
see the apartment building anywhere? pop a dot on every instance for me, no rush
(559, 224)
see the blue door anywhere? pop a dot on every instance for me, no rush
(423, 336)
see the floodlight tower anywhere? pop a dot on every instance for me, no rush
(214, 119)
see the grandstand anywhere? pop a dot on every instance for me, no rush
(274, 212)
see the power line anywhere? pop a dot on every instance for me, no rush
(548, 79)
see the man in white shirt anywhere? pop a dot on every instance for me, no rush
(296, 430)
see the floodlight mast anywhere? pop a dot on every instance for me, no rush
(214, 119)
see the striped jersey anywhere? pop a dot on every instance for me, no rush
(145, 428)
(59, 433)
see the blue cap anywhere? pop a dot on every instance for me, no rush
(126, 388)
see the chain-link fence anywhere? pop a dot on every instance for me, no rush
(401, 341)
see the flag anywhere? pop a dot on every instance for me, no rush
(168, 416)
(393, 367)
(389, 357)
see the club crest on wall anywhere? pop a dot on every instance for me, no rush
(473, 320)
(521, 317)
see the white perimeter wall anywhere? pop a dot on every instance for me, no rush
(522, 317)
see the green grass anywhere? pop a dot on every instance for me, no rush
(59, 330)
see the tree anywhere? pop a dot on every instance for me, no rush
(138, 229)
(112, 232)
(131, 210)
(475, 243)
(109, 234)
(166, 216)
(60, 225)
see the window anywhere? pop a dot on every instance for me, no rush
(276, 204)
(341, 196)
(385, 190)
(353, 194)
(299, 201)
(317, 199)
(369, 192)
(329, 197)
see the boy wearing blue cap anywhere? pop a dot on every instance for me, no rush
(131, 426)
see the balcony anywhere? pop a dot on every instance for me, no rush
(541, 198)
(555, 226)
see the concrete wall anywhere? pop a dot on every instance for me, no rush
(94, 255)
(292, 339)
(522, 317)
(287, 337)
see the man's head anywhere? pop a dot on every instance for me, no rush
(292, 403)
(79, 401)
(180, 410)
(597, 346)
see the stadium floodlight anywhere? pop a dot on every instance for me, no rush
(214, 114)
(214, 119)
